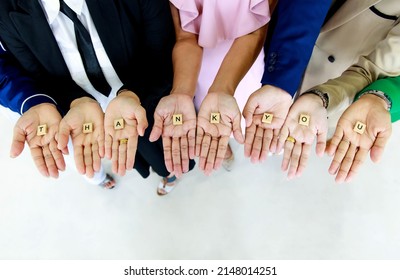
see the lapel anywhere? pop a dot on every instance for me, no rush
(349, 10)
(107, 20)
(36, 32)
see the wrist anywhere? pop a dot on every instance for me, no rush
(81, 100)
(373, 100)
(128, 93)
(182, 91)
(377, 96)
(323, 96)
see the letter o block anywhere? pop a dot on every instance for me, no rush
(177, 119)
(304, 120)
(119, 124)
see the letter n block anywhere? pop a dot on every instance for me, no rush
(119, 124)
(304, 120)
(360, 127)
(267, 118)
(177, 119)
(87, 127)
(215, 117)
(41, 130)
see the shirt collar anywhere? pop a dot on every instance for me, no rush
(52, 7)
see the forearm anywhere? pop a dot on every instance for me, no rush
(240, 57)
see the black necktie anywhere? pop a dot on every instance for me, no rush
(86, 50)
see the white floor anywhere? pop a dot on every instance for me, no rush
(254, 212)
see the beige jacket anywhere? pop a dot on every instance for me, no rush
(355, 47)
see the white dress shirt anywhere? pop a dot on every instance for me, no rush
(63, 30)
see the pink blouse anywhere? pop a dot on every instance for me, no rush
(219, 20)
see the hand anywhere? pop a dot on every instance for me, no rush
(212, 138)
(125, 106)
(178, 140)
(262, 138)
(297, 153)
(350, 148)
(46, 156)
(88, 147)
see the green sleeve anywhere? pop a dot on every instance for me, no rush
(391, 88)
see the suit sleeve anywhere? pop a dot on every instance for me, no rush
(292, 32)
(18, 91)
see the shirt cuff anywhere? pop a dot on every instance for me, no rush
(36, 100)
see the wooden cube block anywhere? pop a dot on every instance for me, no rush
(360, 127)
(304, 119)
(215, 117)
(41, 130)
(267, 118)
(119, 124)
(177, 119)
(87, 127)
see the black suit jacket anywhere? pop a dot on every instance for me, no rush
(138, 37)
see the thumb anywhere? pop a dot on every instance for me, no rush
(141, 119)
(63, 135)
(157, 128)
(249, 110)
(18, 142)
(237, 130)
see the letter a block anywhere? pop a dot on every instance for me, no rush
(304, 119)
(215, 117)
(41, 130)
(87, 127)
(177, 119)
(267, 118)
(359, 127)
(119, 124)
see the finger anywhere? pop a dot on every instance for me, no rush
(199, 140)
(221, 151)
(237, 129)
(205, 146)
(122, 150)
(286, 155)
(212, 153)
(339, 156)
(294, 159)
(346, 164)
(141, 119)
(184, 154)
(38, 159)
(100, 144)
(167, 145)
(79, 159)
(18, 142)
(49, 161)
(335, 141)
(87, 158)
(249, 139)
(131, 152)
(108, 142)
(379, 145)
(192, 143)
(64, 131)
(267, 139)
(306, 149)
(321, 143)
(114, 156)
(96, 157)
(359, 159)
(157, 129)
(176, 156)
(257, 145)
(273, 147)
(283, 135)
(57, 155)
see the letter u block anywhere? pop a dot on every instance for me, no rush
(360, 127)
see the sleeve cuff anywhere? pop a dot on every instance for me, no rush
(35, 100)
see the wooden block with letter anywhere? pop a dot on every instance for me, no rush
(267, 118)
(177, 119)
(87, 127)
(304, 120)
(41, 130)
(119, 124)
(215, 117)
(359, 127)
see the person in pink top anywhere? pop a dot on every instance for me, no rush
(217, 64)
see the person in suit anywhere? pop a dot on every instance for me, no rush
(132, 43)
(292, 32)
(357, 45)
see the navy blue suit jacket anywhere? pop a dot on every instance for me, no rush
(292, 32)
